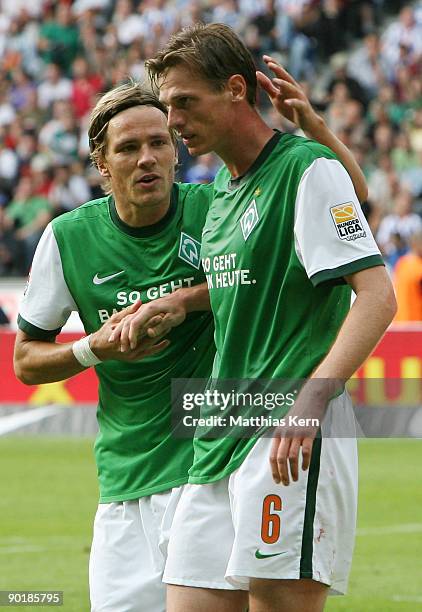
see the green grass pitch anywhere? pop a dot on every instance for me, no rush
(49, 495)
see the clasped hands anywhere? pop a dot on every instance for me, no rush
(146, 325)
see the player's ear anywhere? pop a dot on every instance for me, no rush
(237, 87)
(102, 168)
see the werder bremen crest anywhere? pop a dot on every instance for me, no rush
(189, 250)
(249, 219)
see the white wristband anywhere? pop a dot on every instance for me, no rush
(83, 353)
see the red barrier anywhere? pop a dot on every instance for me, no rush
(81, 388)
(399, 355)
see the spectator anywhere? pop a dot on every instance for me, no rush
(403, 156)
(262, 28)
(32, 116)
(204, 170)
(289, 14)
(339, 106)
(404, 34)
(136, 61)
(129, 26)
(195, 12)
(40, 172)
(59, 37)
(338, 63)
(9, 249)
(383, 137)
(252, 8)
(27, 216)
(81, 7)
(53, 87)
(415, 130)
(330, 28)
(408, 282)
(5, 24)
(85, 86)
(396, 228)
(383, 185)
(9, 163)
(367, 66)
(23, 41)
(68, 189)
(158, 12)
(12, 8)
(393, 105)
(59, 137)
(25, 149)
(225, 11)
(7, 112)
(302, 39)
(21, 91)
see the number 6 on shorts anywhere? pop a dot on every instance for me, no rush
(270, 525)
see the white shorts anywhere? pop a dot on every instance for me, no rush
(245, 526)
(128, 554)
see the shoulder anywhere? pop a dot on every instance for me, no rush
(193, 189)
(304, 150)
(91, 210)
(195, 194)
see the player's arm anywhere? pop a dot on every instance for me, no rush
(289, 99)
(333, 255)
(371, 313)
(158, 316)
(45, 308)
(43, 361)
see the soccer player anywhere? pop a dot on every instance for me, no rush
(140, 242)
(286, 215)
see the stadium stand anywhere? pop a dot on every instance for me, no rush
(360, 63)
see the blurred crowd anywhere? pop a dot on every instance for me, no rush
(359, 62)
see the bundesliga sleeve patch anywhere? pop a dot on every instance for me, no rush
(347, 221)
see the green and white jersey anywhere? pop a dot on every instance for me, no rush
(88, 260)
(276, 246)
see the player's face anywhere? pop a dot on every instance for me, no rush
(200, 114)
(139, 161)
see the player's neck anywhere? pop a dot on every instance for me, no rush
(144, 216)
(249, 137)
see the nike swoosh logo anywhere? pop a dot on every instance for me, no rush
(259, 555)
(99, 281)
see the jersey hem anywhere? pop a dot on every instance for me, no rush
(36, 332)
(121, 497)
(336, 274)
(231, 467)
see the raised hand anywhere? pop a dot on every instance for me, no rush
(289, 99)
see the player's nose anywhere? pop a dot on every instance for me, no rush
(146, 157)
(175, 119)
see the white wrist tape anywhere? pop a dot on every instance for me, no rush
(83, 353)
